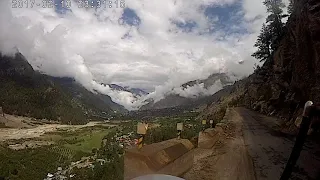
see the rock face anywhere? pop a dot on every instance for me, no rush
(282, 86)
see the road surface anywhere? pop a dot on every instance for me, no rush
(270, 149)
(228, 159)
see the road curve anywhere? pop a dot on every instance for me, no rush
(270, 149)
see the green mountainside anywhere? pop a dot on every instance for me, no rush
(26, 92)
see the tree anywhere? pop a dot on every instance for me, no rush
(290, 6)
(271, 31)
(263, 44)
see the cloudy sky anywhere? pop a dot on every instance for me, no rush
(149, 44)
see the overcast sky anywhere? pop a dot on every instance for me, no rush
(155, 45)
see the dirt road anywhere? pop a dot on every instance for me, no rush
(251, 144)
(228, 159)
(270, 149)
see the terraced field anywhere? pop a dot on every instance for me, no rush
(70, 145)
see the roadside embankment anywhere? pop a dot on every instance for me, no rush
(172, 157)
(228, 157)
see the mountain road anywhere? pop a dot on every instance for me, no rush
(270, 149)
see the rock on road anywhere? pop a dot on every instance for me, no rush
(270, 149)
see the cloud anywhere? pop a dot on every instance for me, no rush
(198, 90)
(153, 45)
(127, 99)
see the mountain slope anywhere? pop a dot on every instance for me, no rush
(92, 99)
(289, 79)
(172, 99)
(26, 92)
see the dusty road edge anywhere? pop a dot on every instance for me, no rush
(245, 167)
(229, 159)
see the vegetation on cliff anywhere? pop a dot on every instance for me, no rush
(271, 32)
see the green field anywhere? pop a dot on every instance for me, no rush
(87, 141)
(35, 163)
(69, 146)
(29, 163)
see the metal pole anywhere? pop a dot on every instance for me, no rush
(304, 127)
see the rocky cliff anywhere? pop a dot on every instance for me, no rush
(284, 83)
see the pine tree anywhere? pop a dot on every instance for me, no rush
(290, 6)
(271, 31)
(263, 44)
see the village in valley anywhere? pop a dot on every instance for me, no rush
(79, 151)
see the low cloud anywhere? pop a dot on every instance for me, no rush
(198, 90)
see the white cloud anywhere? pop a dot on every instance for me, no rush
(158, 57)
(198, 90)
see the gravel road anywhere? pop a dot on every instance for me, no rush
(270, 149)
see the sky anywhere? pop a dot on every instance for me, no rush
(148, 44)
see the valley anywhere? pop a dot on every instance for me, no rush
(31, 152)
(17, 127)
(48, 148)
(70, 108)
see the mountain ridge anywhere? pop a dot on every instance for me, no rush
(27, 92)
(137, 92)
(173, 99)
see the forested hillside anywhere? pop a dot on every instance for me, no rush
(26, 92)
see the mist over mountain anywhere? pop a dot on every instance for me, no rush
(26, 92)
(192, 93)
(135, 91)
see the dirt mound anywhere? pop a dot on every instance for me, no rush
(173, 157)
